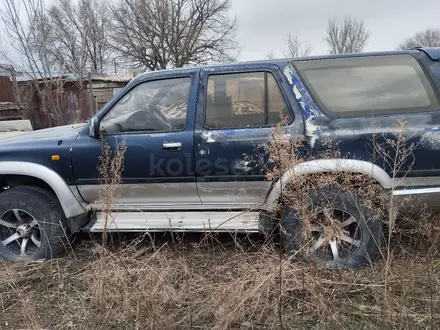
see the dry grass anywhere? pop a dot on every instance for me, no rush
(191, 286)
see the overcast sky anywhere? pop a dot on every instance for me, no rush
(264, 24)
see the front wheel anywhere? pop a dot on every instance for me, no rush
(32, 224)
(336, 230)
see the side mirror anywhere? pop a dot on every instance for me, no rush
(94, 127)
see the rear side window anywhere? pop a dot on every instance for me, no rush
(368, 85)
(244, 100)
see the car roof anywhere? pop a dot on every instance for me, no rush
(432, 52)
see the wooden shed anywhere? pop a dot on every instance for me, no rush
(103, 88)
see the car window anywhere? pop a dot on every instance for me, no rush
(174, 103)
(241, 100)
(159, 105)
(368, 84)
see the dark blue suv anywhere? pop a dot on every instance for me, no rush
(188, 132)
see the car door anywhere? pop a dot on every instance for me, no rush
(238, 109)
(155, 119)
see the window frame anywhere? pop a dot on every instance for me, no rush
(426, 79)
(265, 71)
(188, 76)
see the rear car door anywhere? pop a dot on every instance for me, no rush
(237, 110)
(155, 119)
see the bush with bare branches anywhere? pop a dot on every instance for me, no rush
(348, 35)
(295, 48)
(426, 38)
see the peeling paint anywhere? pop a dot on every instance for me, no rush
(432, 128)
(307, 105)
(311, 129)
(296, 92)
(232, 135)
(209, 136)
(431, 140)
(289, 74)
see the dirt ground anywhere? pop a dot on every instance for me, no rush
(220, 282)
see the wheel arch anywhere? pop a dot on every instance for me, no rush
(327, 166)
(44, 177)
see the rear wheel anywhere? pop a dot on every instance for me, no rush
(340, 231)
(32, 224)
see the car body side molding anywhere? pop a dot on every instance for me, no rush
(327, 166)
(71, 206)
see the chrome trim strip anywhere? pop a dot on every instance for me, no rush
(176, 221)
(412, 182)
(165, 194)
(245, 193)
(184, 206)
(71, 206)
(402, 192)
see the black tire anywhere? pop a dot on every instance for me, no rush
(364, 236)
(38, 217)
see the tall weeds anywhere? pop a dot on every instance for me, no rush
(133, 285)
(110, 168)
(396, 152)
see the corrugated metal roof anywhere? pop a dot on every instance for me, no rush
(73, 76)
(117, 78)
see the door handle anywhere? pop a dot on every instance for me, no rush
(176, 146)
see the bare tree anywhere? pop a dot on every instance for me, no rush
(40, 52)
(157, 34)
(348, 35)
(68, 50)
(81, 29)
(270, 55)
(427, 38)
(295, 48)
(29, 35)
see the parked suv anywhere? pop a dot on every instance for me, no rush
(187, 133)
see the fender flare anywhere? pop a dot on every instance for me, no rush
(327, 166)
(69, 203)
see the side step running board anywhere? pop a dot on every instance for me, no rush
(175, 221)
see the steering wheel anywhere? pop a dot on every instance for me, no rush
(151, 119)
(159, 114)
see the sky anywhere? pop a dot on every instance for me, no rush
(264, 24)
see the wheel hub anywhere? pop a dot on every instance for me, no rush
(333, 230)
(337, 234)
(19, 232)
(24, 230)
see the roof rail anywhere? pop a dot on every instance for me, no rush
(432, 52)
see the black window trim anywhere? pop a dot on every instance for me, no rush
(191, 78)
(375, 112)
(244, 71)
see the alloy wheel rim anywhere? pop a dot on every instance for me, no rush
(336, 234)
(19, 232)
